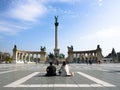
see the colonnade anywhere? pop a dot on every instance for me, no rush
(20, 56)
(85, 56)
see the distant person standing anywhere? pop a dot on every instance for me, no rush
(64, 70)
(51, 70)
(90, 62)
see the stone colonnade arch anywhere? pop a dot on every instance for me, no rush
(20, 56)
(84, 56)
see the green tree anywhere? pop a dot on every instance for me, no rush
(8, 59)
(61, 56)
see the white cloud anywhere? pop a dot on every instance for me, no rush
(21, 11)
(108, 33)
(104, 34)
(69, 1)
(31, 10)
(64, 1)
(28, 10)
(8, 30)
(11, 28)
(100, 2)
(108, 38)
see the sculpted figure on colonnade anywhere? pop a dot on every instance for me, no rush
(43, 48)
(70, 48)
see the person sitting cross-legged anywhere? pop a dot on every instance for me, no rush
(51, 70)
(65, 71)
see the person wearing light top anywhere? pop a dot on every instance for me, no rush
(65, 71)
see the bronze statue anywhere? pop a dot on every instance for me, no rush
(70, 48)
(56, 19)
(43, 48)
(15, 46)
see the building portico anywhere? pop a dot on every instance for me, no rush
(84, 56)
(21, 56)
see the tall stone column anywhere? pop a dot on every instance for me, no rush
(28, 57)
(18, 56)
(56, 50)
(22, 57)
(33, 57)
(36, 58)
(25, 55)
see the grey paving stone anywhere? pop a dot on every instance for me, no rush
(107, 72)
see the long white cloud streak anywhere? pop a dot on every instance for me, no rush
(65, 1)
(28, 10)
(11, 28)
(25, 10)
(104, 34)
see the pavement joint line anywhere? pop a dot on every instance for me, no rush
(60, 85)
(98, 81)
(18, 83)
(7, 71)
(22, 80)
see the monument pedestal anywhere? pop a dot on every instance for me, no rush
(56, 52)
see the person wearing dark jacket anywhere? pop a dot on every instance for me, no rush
(51, 70)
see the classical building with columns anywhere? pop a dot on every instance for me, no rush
(21, 56)
(84, 56)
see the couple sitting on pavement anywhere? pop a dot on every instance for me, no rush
(63, 71)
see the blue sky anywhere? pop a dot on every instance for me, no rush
(82, 23)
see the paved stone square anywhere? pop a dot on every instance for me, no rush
(86, 77)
